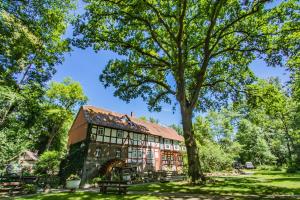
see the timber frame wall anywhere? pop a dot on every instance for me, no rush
(145, 151)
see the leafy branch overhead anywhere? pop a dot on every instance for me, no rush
(194, 50)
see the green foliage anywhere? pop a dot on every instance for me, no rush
(277, 113)
(143, 118)
(12, 141)
(208, 40)
(68, 94)
(48, 163)
(72, 163)
(31, 45)
(153, 120)
(254, 146)
(150, 119)
(97, 179)
(213, 157)
(30, 39)
(29, 188)
(61, 99)
(177, 128)
(194, 53)
(217, 148)
(73, 177)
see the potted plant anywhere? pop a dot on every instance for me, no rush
(73, 182)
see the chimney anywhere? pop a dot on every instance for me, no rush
(132, 114)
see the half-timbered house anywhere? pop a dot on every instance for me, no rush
(110, 137)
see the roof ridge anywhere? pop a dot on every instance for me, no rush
(112, 119)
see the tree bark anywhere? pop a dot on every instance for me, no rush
(194, 165)
(53, 133)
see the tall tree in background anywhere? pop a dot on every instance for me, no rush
(296, 119)
(31, 44)
(59, 110)
(196, 51)
(270, 98)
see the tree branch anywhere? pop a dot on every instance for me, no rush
(201, 76)
(158, 14)
(150, 80)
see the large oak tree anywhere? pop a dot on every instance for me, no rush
(197, 51)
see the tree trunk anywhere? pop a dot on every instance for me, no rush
(53, 133)
(194, 166)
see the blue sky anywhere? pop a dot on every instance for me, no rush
(85, 66)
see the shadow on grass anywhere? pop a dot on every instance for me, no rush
(83, 196)
(240, 185)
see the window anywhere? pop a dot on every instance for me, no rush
(94, 133)
(140, 153)
(113, 133)
(97, 133)
(150, 157)
(137, 139)
(135, 155)
(179, 159)
(107, 139)
(167, 158)
(119, 134)
(167, 144)
(151, 139)
(98, 152)
(118, 153)
(176, 146)
(100, 131)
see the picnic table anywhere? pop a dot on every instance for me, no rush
(118, 186)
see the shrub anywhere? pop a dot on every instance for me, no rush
(73, 177)
(30, 188)
(214, 158)
(52, 181)
(97, 179)
(48, 163)
(292, 170)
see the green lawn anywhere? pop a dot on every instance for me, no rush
(261, 183)
(86, 196)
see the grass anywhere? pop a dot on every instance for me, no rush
(79, 195)
(261, 184)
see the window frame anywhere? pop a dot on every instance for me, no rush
(98, 152)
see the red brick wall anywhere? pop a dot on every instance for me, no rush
(78, 131)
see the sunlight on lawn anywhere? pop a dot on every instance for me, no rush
(260, 183)
(85, 196)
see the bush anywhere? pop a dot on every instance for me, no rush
(265, 167)
(73, 177)
(52, 181)
(96, 180)
(292, 170)
(29, 188)
(48, 163)
(214, 158)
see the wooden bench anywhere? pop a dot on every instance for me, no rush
(119, 186)
(10, 187)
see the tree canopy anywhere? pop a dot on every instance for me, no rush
(194, 52)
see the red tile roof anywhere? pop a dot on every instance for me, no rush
(107, 118)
